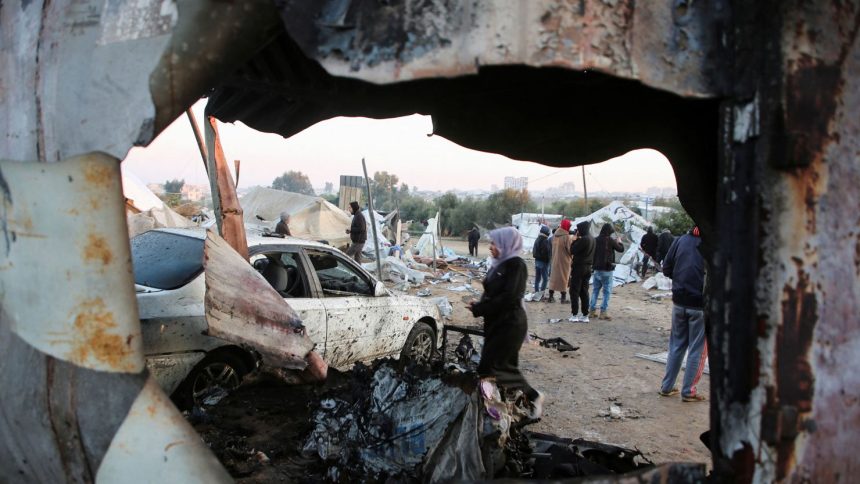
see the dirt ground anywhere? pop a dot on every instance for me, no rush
(257, 430)
(581, 385)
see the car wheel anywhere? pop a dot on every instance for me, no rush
(419, 345)
(218, 370)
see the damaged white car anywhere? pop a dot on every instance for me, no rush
(348, 315)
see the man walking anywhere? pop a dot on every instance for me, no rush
(541, 252)
(686, 267)
(582, 250)
(357, 232)
(605, 247)
(648, 244)
(474, 236)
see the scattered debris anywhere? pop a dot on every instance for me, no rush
(423, 293)
(558, 343)
(445, 308)
(661, 295)
(659, 281)
(553, 320)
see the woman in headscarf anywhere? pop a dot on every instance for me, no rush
(505, 323)
(560, 271)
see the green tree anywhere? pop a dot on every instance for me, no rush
(499, 206)
(385, 192)
(464, 216)
(416, 209)
(173, 186)
(293, 181)
(332, 198)
(576, 207)
(677, 221)
(446, 204)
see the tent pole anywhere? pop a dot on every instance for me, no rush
(372, 221)
(585, 191)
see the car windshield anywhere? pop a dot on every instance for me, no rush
(166, 261)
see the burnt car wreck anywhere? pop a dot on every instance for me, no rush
(753, 103)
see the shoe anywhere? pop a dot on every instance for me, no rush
(573, 319)
(537, 406)
(670, 393)
(693, 398)
(551, 299)
(583, 319)
(604, 315)
(592, 313)
(563, 300)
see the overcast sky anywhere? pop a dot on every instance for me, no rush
(401, 146)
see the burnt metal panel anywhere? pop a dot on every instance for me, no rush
(666, 44)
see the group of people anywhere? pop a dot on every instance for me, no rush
(573, 258)
(566, 261)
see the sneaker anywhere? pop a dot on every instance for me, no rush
(583, 319)
(604, 315)
(573, 318)
(693, 398)
(592, 313)
(670, 393)
(537, 406)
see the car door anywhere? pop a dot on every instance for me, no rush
(299, 293)
(357, 320)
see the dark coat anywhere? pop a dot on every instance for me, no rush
(504, 289)
(663, 243)
(358, 229)
(582, 250)
(474, 236)
(649, 244)
(686, 267)
(605, 248)
(542, 250)
(282, 228)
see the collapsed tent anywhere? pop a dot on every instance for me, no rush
(311, 217)
(144, 210)
(429, 244)
(529, 224)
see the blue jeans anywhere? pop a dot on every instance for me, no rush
(541, 274)
(601, 280)
(688, 333)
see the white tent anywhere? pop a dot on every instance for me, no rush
(528, 225)
(424, 246)
(145, 211)
(311, 217)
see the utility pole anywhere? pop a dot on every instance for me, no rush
(372, 221)
(585, 190)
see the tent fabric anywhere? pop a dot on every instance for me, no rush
(424, 246)
(153, 212)
(311, 218)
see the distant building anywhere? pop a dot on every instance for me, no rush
(156, 188)
(329, 188)
(194, 193)
(517, 182)
(351, 189)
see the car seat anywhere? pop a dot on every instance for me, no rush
(276, 275)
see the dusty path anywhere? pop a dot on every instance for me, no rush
(581, 387)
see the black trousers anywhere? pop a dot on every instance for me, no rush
(500, 356)
(473, 248)
(579, 291)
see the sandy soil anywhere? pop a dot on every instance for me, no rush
(581, 385)
(256, 430)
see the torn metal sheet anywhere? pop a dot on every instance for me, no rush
(242, 307)
(155, 441)
(667, 46)
(70, 247)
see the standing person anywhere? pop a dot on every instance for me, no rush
(663, 243)
(357, 232)
(505, 322)
(474, 236)
(686, 267)
(541, 252)
(605, 247)
(283, 225)
(560, 274)
(582, 251)
(648, 244)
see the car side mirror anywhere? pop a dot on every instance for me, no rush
(379, 289)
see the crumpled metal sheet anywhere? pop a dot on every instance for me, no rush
(669, 45)
(95, 75)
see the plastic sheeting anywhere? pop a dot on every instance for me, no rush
(424, 246)
(311, 218)
(395, 270)
(659, 281)
(154, 213)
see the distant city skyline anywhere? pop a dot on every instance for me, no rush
(400, 146)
